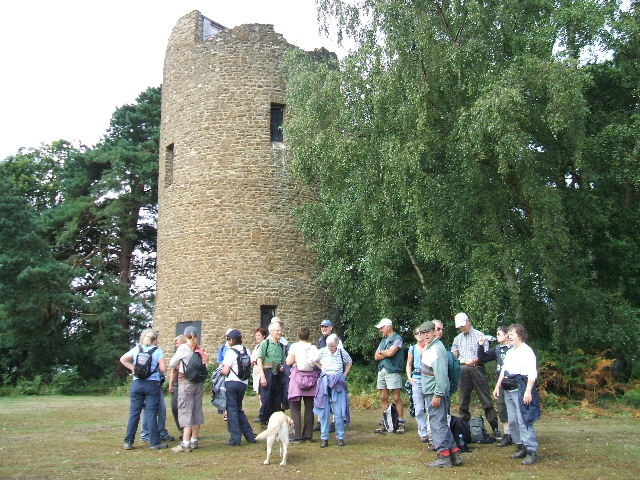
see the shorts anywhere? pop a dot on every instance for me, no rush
(190, 403)
(389, 381)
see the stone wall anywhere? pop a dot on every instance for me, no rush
(228, 242)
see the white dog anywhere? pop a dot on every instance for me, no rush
(279, 428)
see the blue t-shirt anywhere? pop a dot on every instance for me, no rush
(155, 359)
(417, 360)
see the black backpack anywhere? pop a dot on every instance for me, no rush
(142, 363)
(194, 370)
(461, 432)
(390, 418)
(244, 364)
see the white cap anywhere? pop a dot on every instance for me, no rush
(461, 319)
(383, 323)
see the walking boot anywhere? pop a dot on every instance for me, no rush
(532, 457)
(456, 458)
(506, 441)
(521, 452)
(443, 460)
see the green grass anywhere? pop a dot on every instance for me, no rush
(80, 437)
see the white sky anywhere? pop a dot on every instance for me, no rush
(66, 65)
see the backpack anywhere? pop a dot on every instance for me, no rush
(142, 363)
(218, 390)
(478, 431)
(390, 418)
(461, 432)
(245, 369)
(454, 372)
(194, 370)
(306, 380)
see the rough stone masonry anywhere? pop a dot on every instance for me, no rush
(230, 254)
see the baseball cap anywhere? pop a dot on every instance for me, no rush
(190, 331)
(384, 322)
(233, 333)
(326, 323)
(461, 319)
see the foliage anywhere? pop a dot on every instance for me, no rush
(577, 373)
(632, 398)
(77, 251)
(467, 156)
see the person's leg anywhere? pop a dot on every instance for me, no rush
(397, 399)
(162, 417)
(481, 384)
(174, 406)
(419, 406)
(511, 399)
(439, 428)
(339, 407)
(466, 386)
(265, 397)
(136, 396)
(295, 406)
(307, 423)
(144, 436)
(151, 403)
(245, 427)
(233, 410)
(325, 418)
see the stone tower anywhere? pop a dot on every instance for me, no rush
(229, 250)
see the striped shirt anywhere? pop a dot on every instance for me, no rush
(466, 344)
(334, 363)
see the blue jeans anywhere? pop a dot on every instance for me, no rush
(420, 408)
(441, 435)
(144, 394)
(336, 404)
(162, 422)
(237, 422)
(520, 433)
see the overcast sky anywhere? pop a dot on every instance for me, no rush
(68, 64)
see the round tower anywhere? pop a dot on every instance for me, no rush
(229, 250)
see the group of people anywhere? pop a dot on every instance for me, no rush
(314, 376)
(428, 368)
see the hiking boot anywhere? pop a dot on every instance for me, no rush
(506, 441)
(497, 435)
(381, 428)
(400, 429)
(168, 438)
(521, 452)
(158, 446)
(194, 444)
(144, 439)
(181, 448)
(443, 461)
(424, 439)
(341, 442)
(324, 443)
(456, 458)
(127, 446)
(531, 457)
(295, 440)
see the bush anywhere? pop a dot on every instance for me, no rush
(34, 386)
(67, 382)
(632, 398)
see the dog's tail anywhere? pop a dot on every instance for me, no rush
(269, 431)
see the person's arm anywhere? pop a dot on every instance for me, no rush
(127, 361)
(162, 365)
(485, 357)
(291, 357)
(496, 390)
(172, 378)
(409, 366)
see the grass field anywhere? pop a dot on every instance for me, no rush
(58, 437)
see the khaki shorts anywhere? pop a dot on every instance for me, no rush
(389, 381)
(190, 403)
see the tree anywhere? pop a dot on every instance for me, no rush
(448, 154)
